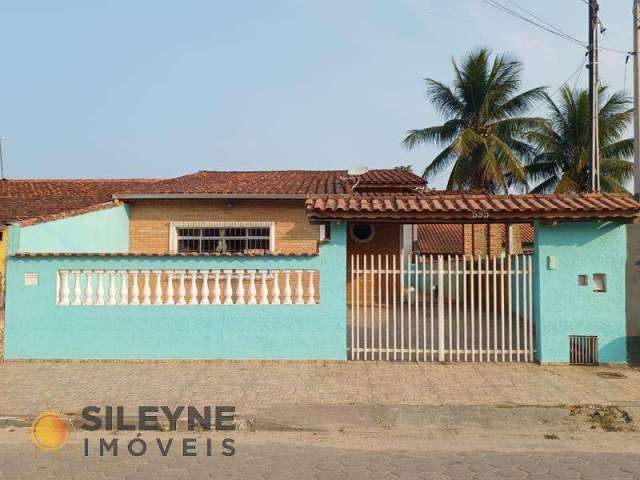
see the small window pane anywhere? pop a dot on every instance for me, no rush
(210, 232)
(235, 245)
(210, 245)
(188, 245)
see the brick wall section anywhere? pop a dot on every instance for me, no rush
(496, 239)
(483, 239)
(475, 239)
(516, 248)
(150, 219)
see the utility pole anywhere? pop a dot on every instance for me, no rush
(636, 97)
(594, 87)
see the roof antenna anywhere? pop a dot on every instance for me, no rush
(2, 177)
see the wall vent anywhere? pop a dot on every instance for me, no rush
(583, 350)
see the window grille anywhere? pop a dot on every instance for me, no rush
(218, 238)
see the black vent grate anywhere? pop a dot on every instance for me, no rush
(583, 350)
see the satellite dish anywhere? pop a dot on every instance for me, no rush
(358, 171)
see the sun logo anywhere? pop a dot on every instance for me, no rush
(50, 431)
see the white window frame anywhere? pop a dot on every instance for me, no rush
(174, 226)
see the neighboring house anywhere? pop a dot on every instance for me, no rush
(36, 201)
(309, 265)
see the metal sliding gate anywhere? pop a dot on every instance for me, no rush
(441, 308)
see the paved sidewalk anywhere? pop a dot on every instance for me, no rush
(291, 461)
(27, 388)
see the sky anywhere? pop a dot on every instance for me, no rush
(164, 88)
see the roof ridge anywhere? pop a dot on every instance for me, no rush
(269, 171)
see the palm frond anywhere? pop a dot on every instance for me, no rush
(440, 135)
(443, 99)
(621, 149)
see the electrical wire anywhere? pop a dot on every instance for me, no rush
(543, 24)
(577, 73)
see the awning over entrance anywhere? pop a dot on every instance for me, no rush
(471, 208)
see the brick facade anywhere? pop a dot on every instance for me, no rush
(491, 239)
(150, 219)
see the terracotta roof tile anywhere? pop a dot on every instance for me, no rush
(32, 201)
(287, 182)
(445, 206)
(448, 238)
(441, 238)
(526, 233)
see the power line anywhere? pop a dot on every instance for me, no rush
(543, 24)
(551, 29)
(577, 73)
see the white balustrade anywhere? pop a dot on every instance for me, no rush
(228, 287)
(88, 288)
(157, 290)
(252, 288)
(228, 291)
(299, 290)
(181, 290)
(77, 290)
(193, 289)
(124, 288)
(216, 288)
(146, 289)
(311, 291)
(264, 291)
(170, 275)
(287, 287)
(135, 289)
(100, 288)
(112, 300)
(275, 289)
(64, 288)
(204, 293)
(240, 287)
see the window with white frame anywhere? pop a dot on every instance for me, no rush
(222, 237)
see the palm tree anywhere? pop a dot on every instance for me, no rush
(483, 132)
(562, 164)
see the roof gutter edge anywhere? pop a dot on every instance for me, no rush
(170, 196)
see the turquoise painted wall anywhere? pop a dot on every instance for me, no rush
(561, 307)
(95, 232)
(38, 328)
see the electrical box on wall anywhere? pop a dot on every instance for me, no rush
(551, 262)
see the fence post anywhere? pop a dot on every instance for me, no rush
(440, 308)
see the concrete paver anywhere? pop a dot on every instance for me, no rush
(30, 387)
(299, 461)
